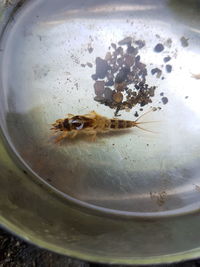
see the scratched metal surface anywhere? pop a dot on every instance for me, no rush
(136, 172)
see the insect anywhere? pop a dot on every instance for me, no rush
(91, 124)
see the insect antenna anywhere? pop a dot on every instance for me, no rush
(143, 115)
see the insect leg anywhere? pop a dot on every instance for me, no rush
(60, 137)
(69, 115)
(93, 137)
(93, 134)
(91, 115)
(73, 134)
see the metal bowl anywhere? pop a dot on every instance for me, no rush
(130, 198)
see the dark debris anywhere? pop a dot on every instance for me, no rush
(121, 77)
(168, 68)
(164, 100)
(156, 71)
(184, 41)
(166, 59)
(159, 48)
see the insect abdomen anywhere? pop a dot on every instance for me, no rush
(120, 124)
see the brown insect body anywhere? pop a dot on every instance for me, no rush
(91, 124)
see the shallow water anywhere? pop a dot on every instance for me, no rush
(42, 80)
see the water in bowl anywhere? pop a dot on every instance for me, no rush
(134, 172)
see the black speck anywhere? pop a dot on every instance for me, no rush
(143, 103)
(162, 94)
(168, 68)
(25, 172)
(136, 114)
(159, 48)
(166, 59)
(164, 100)
(186, 97)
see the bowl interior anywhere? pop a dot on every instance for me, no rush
(48, 55)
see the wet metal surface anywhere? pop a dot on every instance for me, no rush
(42, 81)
